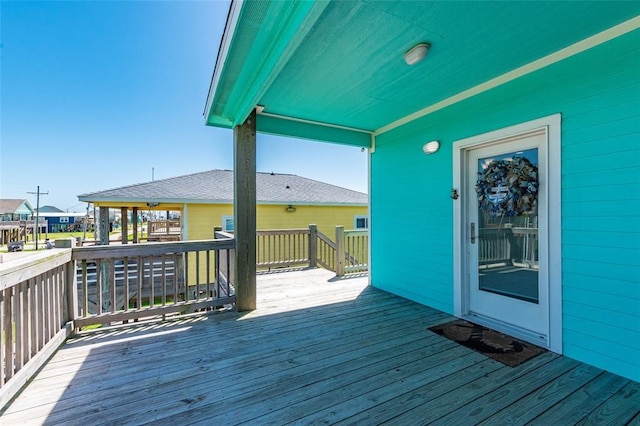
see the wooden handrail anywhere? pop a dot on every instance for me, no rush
(119, 283)
(34, 314)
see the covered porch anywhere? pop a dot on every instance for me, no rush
(318, 349)
(447, 97)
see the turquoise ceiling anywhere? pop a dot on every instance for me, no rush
(341, 62)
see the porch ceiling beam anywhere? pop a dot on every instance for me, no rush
(244, 212)
(305, 129)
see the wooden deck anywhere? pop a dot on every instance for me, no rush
(317, 350)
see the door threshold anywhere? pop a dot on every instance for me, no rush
(530, 336)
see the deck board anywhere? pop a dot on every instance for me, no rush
(317, 350)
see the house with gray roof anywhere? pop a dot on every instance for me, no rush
(204, 200)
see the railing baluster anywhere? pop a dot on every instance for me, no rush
(208, 267)
(42, 309)
(139, 278)
(152, 281)
(229, 273)
(3, 362)
(33, 314)
(125, 282)
(45, 306)
(186, 277)
(99, 279)
(113, 301)
(6, 356)
(164, 280)
(197, 290)
(216, 268)
(85, 293)
(175, 277)
(22, 326)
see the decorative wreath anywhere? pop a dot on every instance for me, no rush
(508, 187)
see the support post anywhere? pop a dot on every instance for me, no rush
(134, 219)
(244, 212)
(104, 226)
(124, 225)
(339, 251)
(313, 246)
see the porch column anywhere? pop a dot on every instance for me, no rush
(124, 225)
(134, 219)
(244, 212)
(103, 229)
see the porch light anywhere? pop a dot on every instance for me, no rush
(416, 53)
(290, 208)
(431, 147)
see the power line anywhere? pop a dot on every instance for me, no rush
(37, 227)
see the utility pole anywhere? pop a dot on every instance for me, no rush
(37, 227)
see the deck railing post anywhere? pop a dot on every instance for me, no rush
(72, 292)
(313, 246)
(339, 251)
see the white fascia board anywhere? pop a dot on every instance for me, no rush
(310, 203)
(227, 38)
(125, 201)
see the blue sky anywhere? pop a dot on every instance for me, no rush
(97, 94)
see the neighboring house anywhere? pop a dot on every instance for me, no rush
(16, 220)
(15, 209)
(64, 221)
(504, 165)
(205, 200)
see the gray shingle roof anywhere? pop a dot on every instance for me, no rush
(216, 186)
(11, 205)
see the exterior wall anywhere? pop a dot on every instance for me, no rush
(203, 218)
(598, 94)
(326, 217)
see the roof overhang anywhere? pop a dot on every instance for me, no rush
(334, 70)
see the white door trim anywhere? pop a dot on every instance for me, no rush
(552, 125)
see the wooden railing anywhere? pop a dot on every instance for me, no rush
(508, 246)
(282, 247)
(36, 302)
(291, 247)
(46, 296)
(11, 224)
(356, 245)
(326, 252)
(352, 251)
(164, 230)
(131, 282)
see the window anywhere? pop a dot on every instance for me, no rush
(361, 222)
(64, 219)
(227, 223)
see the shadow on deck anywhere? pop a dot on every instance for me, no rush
(317, 350)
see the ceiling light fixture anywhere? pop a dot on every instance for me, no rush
(416, 53)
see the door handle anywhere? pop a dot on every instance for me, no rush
(473, 233)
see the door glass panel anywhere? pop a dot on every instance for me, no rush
(508, 225)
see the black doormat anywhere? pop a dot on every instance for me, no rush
(506, 349)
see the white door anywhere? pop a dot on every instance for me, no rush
(505, 230)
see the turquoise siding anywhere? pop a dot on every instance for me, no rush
(598, 94)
